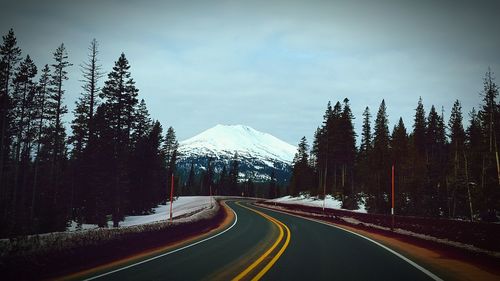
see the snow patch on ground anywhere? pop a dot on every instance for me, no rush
(331, 202)
(183, 206)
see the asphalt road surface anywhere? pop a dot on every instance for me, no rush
(267, 245)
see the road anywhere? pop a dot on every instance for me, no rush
(269, 245)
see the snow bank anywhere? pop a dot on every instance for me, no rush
(184, 205)
(313, 201)
(186, 210)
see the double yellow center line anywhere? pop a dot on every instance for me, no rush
(261, 260)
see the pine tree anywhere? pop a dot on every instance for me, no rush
(457, 174)
(170, 151)
(301, 172)
(190, 183)
(207, 179)
(366, 135)
(55, 104)
(41, 97)
(82, 125)
(170, 148)
(10, 56)
(435, 184)
(347, 154)
(399, 151)
(120, 98)
(233, 176)
(418, 161)
(363, 167)
(488, 116)
(21, 125)
(473, 160)
(381, 161)
(419, 128)
(142, 122)
(55, 145)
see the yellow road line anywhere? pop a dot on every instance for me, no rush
(269, 251)
(277, 256)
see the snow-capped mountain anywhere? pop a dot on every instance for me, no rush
(258, 153)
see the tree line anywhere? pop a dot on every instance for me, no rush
(116, 160)
(442, 169)
(207, 175)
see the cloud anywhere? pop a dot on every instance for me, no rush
(273, 65)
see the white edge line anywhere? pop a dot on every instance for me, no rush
(427, 272)
(168, 253)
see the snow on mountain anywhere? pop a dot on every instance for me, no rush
(259, 153)
(246, 141)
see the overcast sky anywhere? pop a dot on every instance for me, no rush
(272, 65)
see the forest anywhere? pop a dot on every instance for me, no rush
(441, 168)
(115, 160)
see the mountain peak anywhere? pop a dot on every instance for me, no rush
(241, 139)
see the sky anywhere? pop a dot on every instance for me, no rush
(272, 65)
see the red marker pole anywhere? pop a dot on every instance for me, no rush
(392, 207)
(171, 195)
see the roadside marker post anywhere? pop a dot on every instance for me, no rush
(171, 195)
(392, 206)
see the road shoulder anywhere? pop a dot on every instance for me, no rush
(221, 222)
(446, 262)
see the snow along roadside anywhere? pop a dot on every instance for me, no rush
(49, 242)
(355, 222)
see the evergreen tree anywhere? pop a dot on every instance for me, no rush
(84, 112)
(56, 108)
(366, 134)
(170, 150)
(10, 56)
(435, 142)
(21, 125)
(120, 98)
(399, 151)
(222, 185)
(41, 97)
(458, 194)
(419, 128)
(488, 116)
(207, 180)
(301, 171)
(249, 188)
(363, 170)
(273, 186)
(472, 167)
(381, 162)
(142, 123)
(146, 142)
(233, 176)
(418, 160)
(347, 154)
(190, 183)
(53, 148)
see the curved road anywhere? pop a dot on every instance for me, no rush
(269, 245)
